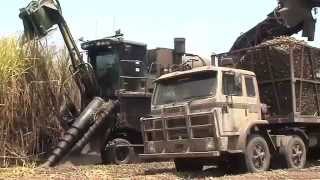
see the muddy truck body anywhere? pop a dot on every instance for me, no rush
(261, 108)
(265, 107)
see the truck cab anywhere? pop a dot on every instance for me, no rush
(201, 113)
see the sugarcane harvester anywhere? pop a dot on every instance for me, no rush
(112, 86)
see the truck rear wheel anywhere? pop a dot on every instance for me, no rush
(295, 153)
(257, 154)
(111, 154)
(183, 164)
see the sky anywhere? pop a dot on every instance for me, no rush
(208, 25)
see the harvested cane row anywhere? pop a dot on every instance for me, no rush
(33, 79)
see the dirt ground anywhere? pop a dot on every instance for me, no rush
(163, 170)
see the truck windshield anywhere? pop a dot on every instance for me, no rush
(186, 87)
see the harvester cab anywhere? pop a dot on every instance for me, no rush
(120, 66)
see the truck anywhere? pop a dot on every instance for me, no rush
(259, 105)
(245, 112)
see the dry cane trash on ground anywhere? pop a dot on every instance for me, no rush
(159, 170)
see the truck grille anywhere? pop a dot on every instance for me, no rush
(179, 127)
(200, 120)
(178, 134)
(202, 132)
(176, 123)
(155, 136)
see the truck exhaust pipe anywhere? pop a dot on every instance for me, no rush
(76, 132)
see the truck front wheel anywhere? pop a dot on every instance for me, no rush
(295, 153)
(257, 154)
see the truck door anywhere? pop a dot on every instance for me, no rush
(233, 112)
(252, 98)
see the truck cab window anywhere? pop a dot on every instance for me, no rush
(231, 86)
(250, 87)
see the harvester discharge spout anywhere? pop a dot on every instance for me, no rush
(288, 18)
(39, 18)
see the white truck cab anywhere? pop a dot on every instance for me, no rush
(202, 113)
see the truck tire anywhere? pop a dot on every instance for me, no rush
(110, 154)
(183, 165)
(295, 153)
(257, 154)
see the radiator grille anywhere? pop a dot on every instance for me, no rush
(155, 136)
(179, 127)
(178, 134)
(200, 120)
(176, 123)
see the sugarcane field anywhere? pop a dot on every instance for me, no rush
(159, 90)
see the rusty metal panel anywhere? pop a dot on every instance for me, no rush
(161, 56)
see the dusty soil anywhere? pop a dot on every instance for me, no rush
(163, 170)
